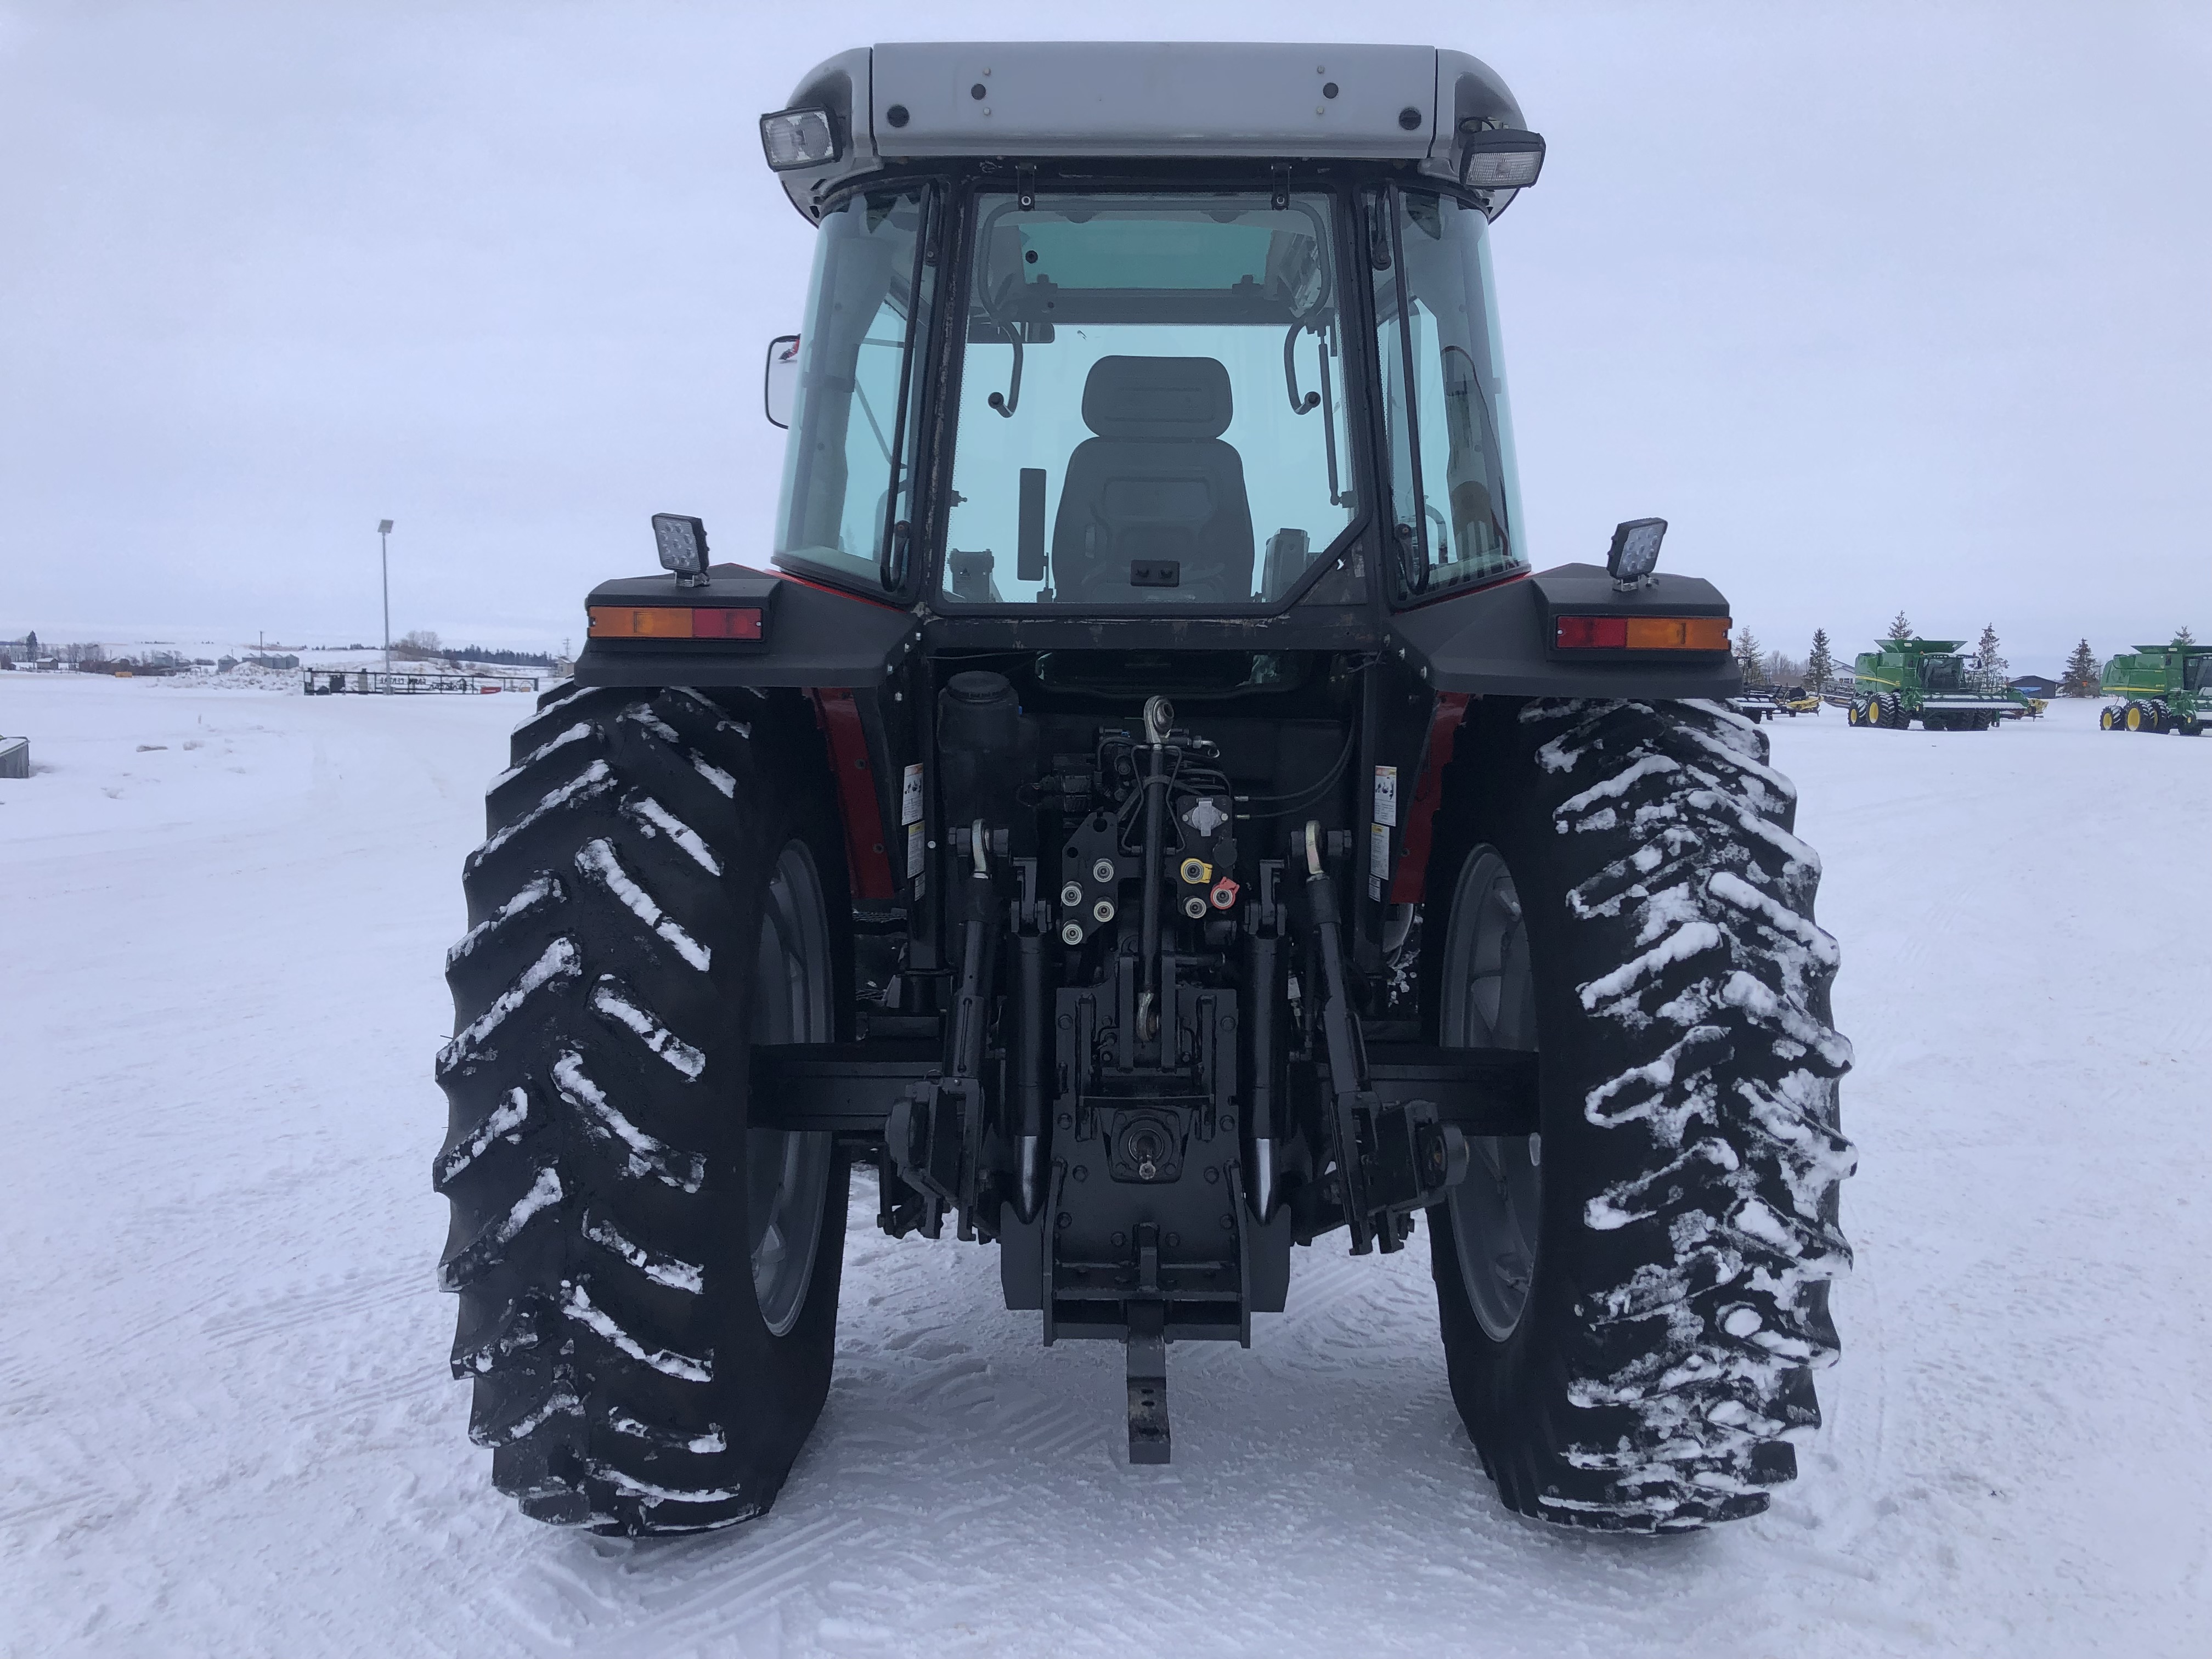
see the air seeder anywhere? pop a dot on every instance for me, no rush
(1145, 810)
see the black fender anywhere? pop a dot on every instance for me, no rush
(811, 637)
(1497, 641)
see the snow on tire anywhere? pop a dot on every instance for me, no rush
(1644, 1356)
(643, 852)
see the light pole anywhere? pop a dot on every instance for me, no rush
(383, 559)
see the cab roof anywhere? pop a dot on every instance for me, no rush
(902, 104)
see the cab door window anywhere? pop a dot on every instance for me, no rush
(848, 464)
(1454, 495)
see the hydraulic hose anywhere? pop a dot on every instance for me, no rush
(1030, 1017)
(1159, 714)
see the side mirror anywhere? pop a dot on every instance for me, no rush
(1635, 552)
(780, 381)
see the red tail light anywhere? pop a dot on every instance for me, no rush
(1592, 633)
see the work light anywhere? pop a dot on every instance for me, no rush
(1635, 551)
(798, 138)
(682, 544)
(1503, 158)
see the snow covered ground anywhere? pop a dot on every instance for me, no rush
(226, 1425)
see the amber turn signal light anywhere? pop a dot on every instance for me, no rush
(1641, 634)
(675, 622)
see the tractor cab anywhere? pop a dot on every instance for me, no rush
(1145, 383)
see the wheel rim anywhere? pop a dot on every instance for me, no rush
(2135, 719)
(1489, 1001)
(787, 1171)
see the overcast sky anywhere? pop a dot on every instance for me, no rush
(1881, 306)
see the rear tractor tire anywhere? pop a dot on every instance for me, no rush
(648, 1285)
(1633, 1301)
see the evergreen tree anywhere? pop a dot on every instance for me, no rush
(2084, 675)
(1749, 654)
(2182, 636)
(1900, 628)
(1821, 666)
(1989, 666)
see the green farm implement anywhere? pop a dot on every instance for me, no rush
(2160, 688)
(1904, 680)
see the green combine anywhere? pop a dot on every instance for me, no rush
(1900, 681)
(2160, 687)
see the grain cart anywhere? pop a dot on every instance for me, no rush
(1145, 811)
(1903, 680)
(2162, 688)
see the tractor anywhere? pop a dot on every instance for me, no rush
(1140, 808)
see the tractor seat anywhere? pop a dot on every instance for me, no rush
(1153, 508)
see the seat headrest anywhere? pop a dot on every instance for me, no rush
(1156, 398)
